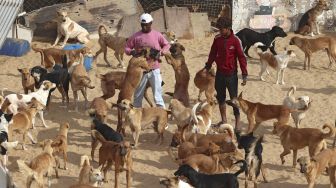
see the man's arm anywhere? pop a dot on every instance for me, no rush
(164, 44)
(212, 55)
(241, 58)
(130, 45)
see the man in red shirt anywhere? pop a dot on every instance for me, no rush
(225, 50)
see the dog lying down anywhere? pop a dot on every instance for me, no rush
(200, 180)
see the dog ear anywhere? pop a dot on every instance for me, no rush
(240, 95)
(20, 70)
(182, 48)
(131, 106)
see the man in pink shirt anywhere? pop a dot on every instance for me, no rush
(148, 37)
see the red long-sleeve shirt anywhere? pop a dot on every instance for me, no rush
(225, 52)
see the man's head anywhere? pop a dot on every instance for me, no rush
(224, 25)
(146, 22)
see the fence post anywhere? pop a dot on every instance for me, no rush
(164, 15)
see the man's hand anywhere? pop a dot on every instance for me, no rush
(207, 67)
(244, 81)
(133, 53)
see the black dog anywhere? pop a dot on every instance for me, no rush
(253, 152)
(199, 180)
(59, 76)
(4, 121)
(106, 131)
(249, 37)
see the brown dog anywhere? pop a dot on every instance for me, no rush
(257, 112)
(60, 143)
(205, 81)
(115, 43)
(23, 121)
(313, 167)
(309, 20)
(177, 61)
(310, 46)
(181, 113)
(296, 138)
(28, 82)
(118, 154)
(99, 107)
(39, 166)
(187, 149)
(134, 72)
(137, 118)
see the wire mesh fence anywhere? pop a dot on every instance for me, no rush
(30, 5)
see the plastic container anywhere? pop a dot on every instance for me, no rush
(15, 47)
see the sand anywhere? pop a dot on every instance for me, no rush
(152, 161)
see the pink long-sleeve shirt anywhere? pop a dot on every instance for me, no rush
(153, 39)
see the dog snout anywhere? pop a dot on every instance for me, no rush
(303, 169)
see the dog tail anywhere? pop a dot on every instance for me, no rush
(36, 49)
(254, 155)
(193, 114)
(227, 127)
(86, 82)
(26, 169)
(84, 161)
(3, 90)
(242, 169)
(95, 134)
(256, 47)
(291, 91)
(102, 30)
(330, 133)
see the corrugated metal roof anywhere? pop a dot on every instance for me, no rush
(8, 12)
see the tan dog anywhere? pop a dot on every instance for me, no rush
(134, 72)
(100, 108)
(114, 42)
(137, 118)
(23, 121)
(313, 167)
(187, 149)
(257, 112)
(181, 113)
(69, 29)
(118, 154)
(310, 20)
(201, 119)
(170, 36)
(205, 81)
(28, 82)
(39, 166)
(310, 46)
(177, 61)
(60, 143)
(80, 81)
(88, 175)
(226, 11)
(296, 138)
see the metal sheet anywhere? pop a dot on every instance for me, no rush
(8, 12)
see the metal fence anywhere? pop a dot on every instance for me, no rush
(30, 5)
(212, 7)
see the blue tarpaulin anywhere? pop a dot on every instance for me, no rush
(15, 47)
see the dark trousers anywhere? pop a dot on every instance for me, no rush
(223, 82)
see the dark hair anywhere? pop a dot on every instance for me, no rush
(224, 22)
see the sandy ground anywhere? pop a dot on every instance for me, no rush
(152, 161)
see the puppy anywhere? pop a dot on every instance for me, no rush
(310, 46)
(301, 103)
(249, 37)
(17, 101)
(201, 119)
(59, 76)
(296, 138)
(4, 144)
(60, 143)
(23, 121)
(200, 180)
(310, 20)
(257, 112)
(205, 81)
(106, 131)
(88, 175)
(118, 154)
(137, 118)
(182, 76)
(278, 62)
(181, 113)
(39, 166)
(69, 29)
(28, 82)
(116, 43)
(99, 108)
(313, 167)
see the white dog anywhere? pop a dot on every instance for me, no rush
(69, 29)
(278, 62)
(21, 100)
(302, 104)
